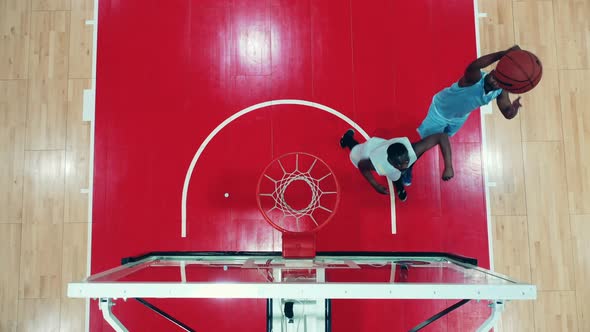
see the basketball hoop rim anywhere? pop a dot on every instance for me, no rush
(279, 228)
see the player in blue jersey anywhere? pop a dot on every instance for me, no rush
(451, 107)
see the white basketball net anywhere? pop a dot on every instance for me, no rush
(281, 185)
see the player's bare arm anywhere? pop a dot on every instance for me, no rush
(473, 72)
(366, 167)
(445, 147)
(508, 108)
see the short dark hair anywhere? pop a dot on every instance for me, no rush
(397, 153)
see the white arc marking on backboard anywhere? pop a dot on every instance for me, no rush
(247, 110)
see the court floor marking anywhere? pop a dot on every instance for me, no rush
(262, 105)
(484, 110)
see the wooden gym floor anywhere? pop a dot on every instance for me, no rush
(540, 203)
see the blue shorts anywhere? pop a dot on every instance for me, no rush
(434, 123)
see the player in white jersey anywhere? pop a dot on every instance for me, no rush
(391, 158)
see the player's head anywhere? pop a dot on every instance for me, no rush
(490, 83)
(397, 156)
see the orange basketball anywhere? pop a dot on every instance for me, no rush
(518, 71)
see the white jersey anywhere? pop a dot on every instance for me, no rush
(375, 149)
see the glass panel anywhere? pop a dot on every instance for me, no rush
(322, 269)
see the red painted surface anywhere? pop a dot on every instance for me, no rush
(170, 71)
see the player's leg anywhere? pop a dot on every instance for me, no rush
(407, 176)
(401, 191)
(455, 125)
(432, 124)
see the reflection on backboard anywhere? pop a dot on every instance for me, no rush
(301, 285)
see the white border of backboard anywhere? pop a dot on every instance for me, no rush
(303, 290)
(102, 286)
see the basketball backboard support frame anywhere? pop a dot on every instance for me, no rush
(478, 283)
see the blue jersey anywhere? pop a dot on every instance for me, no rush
(457, 102)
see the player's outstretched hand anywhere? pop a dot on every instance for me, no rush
(516, 104)
(514, 48)
(382, 189)
(448, 174)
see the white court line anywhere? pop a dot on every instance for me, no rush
(88, 113)
(484, 147)
(183, 271)
(258, 106)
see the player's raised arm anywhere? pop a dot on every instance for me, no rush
(473, 71)
(508, 108)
